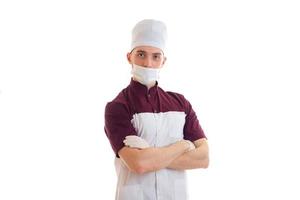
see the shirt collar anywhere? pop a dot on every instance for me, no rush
(142, 89)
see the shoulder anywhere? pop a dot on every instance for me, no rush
(118, 104)
(180, 98)
(176, 95)
(174, 100)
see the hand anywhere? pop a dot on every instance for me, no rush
(134, 141)
(191, 145)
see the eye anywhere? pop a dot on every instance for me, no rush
(157, 57)
(141, 55)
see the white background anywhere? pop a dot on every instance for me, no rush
(237, 62)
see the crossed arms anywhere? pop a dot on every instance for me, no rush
(177, 156)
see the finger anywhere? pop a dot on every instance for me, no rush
(126, 142)
(132, 137)
(130, 143)
(131, 140)
(128, 136)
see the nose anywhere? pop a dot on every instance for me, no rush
(148, 62)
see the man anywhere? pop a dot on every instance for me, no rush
(155, 134)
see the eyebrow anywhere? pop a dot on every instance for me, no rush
(142, 51)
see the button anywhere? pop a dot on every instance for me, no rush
(149, 95)
(155, 111)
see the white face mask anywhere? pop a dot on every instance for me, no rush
(144, 75)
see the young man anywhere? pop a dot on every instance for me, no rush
(155, 134)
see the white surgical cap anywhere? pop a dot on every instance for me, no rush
(149, 32)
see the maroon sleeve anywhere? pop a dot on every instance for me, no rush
(192, 129)
(117, 125)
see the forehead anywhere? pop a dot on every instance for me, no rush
(148, 49)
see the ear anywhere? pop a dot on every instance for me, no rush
(128, 58)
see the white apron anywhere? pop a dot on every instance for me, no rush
(158, 129)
